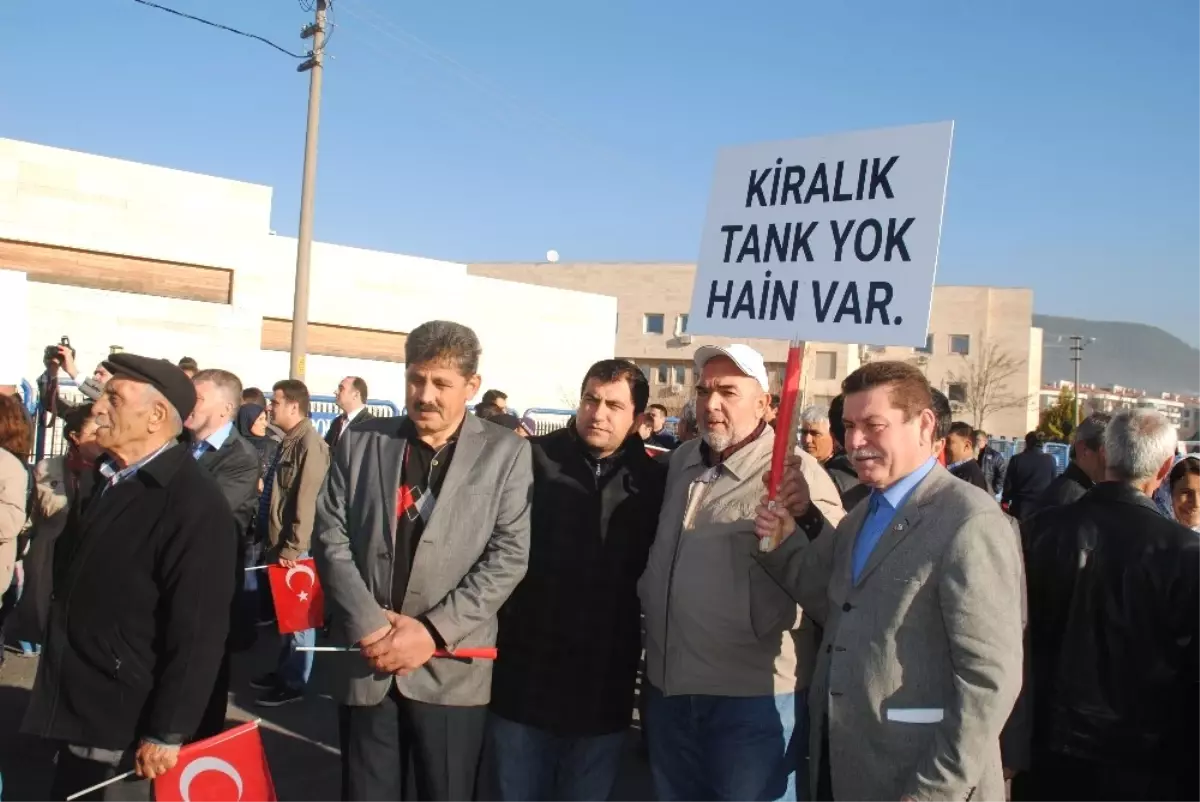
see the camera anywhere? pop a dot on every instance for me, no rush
(51, 355)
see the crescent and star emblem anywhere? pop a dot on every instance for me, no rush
(300, 568)
(203, 764)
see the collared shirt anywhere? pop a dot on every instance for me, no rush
(884, 505)
(213, 442)
(954, 465)
(350, 416)
(421, 476)
(114, 475)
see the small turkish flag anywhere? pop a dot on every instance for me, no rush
(299, 602)
(231, 765)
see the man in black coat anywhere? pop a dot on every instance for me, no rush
(1114, 600)
(1086, 468)
(351, 398)
(1029, 474)
(563, 690)
(143, 582)
(960, 456)
(227, 456)
(991, 461)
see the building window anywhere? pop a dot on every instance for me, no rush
(681, 375)
(826, 367)
(681, 322)
(956, 392)
(652, 323)
(960, 344)
(928, 349)
(662, 374)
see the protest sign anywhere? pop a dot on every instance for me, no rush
(831, 239)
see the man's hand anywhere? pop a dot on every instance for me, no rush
(774, 522)
(287, 563)
(793, 494)
(68, 361)
(153, 760)
(406, 646)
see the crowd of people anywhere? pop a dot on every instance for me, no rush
(908, 618)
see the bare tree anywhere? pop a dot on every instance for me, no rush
(985, 377)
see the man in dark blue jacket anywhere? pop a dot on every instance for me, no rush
(1029, 474)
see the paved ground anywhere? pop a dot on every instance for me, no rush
(301, 739)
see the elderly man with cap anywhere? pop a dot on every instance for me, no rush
(143, 580)
(728, 656)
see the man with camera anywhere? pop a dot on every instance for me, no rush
(58, 359)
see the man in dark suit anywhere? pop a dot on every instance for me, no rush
(135, 638)
(960, 456)
(351, 398)
(232, 461)
(1086, 468)
(1029, 474)
(422, 533)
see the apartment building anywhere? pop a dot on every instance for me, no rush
(1182, 411)
(969, 326)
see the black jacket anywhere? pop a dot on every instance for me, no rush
(845, 478)
(339, 423)
(993, 464)
(1115, 634)
(570, 635)
(971, 473)
(1067, 488)
(139, 615)
(1029, 474)
(235, 466)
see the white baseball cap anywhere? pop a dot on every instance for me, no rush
(746, 358)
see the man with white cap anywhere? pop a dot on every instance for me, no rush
(728, 659)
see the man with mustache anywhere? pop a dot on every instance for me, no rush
(727, 656)
(919, 594)
(422, 534)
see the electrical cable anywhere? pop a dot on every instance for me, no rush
(262, 39)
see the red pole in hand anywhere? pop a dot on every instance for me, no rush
(785, 425)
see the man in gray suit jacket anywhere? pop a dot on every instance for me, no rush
(422, 534)
(919, 592)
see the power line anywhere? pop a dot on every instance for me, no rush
(262, 39)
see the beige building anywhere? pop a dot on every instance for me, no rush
(975, 332)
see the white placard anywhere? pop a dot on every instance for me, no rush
(832, 239)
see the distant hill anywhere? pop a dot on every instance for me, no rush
(1129, 354)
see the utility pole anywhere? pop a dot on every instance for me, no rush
(315, 65)
(1077, 346)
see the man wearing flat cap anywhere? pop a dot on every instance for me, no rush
(143, 580)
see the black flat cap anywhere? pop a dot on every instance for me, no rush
(160, 374)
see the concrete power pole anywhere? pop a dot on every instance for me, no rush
(315, 65)
(1077, 358)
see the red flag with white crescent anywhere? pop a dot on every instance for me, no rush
(231, 765)
(299, 602)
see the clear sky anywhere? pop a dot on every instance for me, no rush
(482, 131)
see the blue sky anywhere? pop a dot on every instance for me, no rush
(485, 131)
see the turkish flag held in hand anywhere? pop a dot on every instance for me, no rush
(299, 602)
(231, 765)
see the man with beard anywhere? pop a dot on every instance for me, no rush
(727, 657)
(422, 534)
(570, 638)
(923, 581)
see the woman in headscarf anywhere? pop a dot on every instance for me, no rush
(1184, 486)
(14, 486)
(252, 425)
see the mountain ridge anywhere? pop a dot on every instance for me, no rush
(1134, 355)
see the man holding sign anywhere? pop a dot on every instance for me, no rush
(422, 534)
(727, 659)
(919, 594)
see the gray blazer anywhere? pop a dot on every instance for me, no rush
(921, 660)
(472, 554)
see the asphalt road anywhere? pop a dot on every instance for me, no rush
(301, 739)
